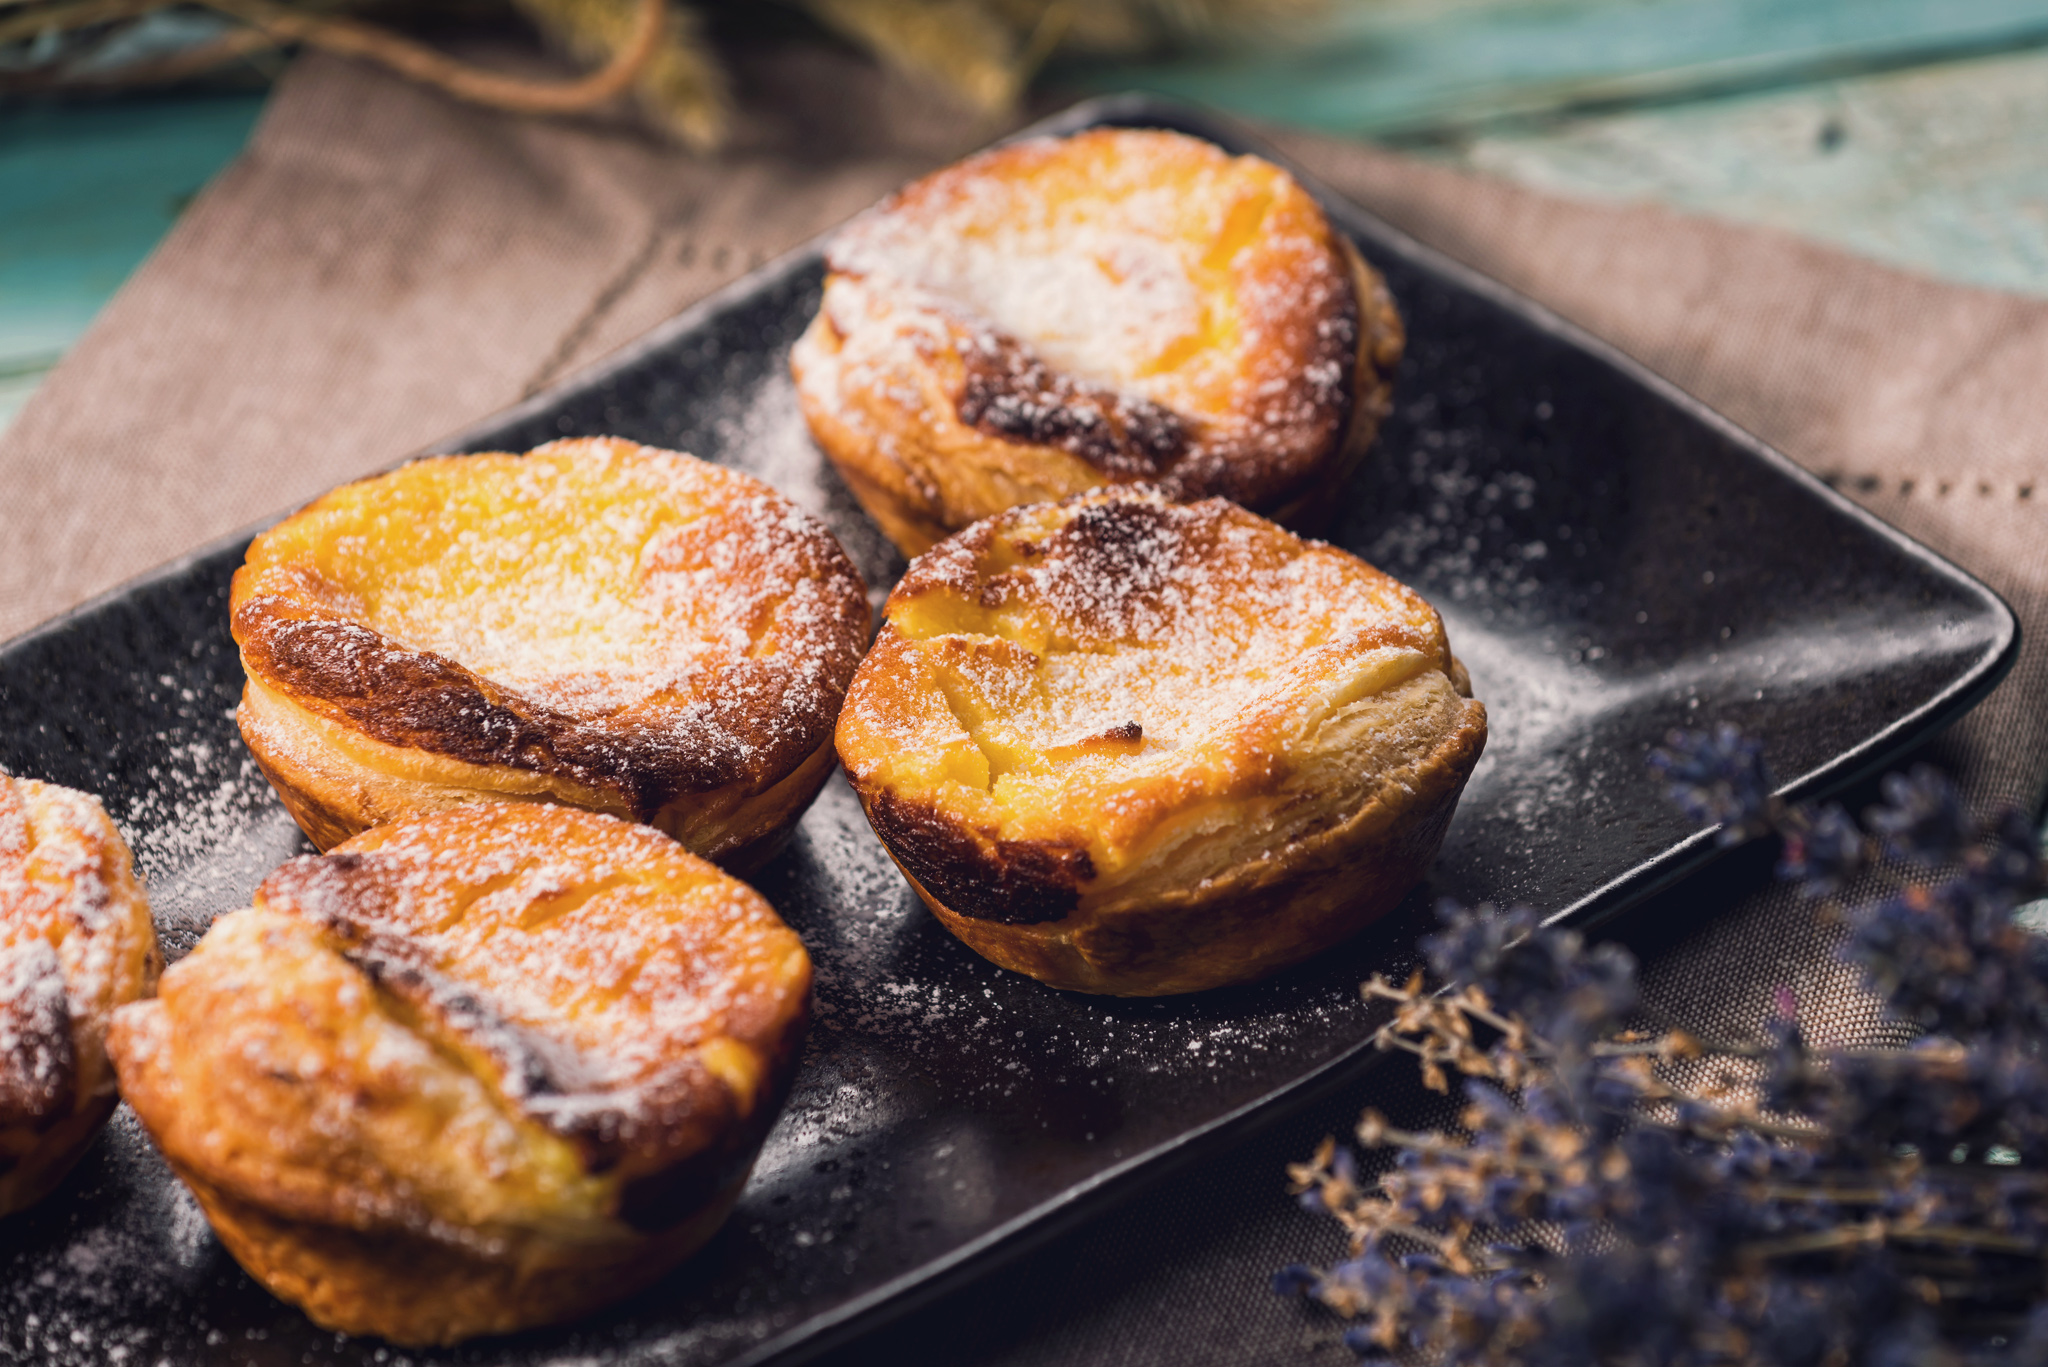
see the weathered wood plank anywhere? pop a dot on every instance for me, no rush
(1943, 169)
(1416, 67)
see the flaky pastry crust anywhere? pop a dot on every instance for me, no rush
(76, 941)
(472, 1072)
(596, 623)
(1134, 747)
(1117, 306)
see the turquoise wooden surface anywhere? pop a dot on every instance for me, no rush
(85, 191)
(1941, 169)
(1913, 131)
(1420, 68)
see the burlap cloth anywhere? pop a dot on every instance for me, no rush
(381, 267)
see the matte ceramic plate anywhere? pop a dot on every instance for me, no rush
(1612, 561)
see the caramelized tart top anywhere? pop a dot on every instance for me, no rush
(635, 620)
(501, 1016)
(1076, 681)
(609, 983)
(1140, 298)
(75, 941)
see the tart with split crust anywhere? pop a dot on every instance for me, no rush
(76, 941)
(1121, 305)
(476, 1071)
(1130, 746)
(596, 623)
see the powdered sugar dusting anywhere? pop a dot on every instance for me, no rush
(636, 619)
(74, 940)
(589, 576)
(1105, 302)
(1147, 265)
(36, 1061)
(1094, 251)
(1142, 620)
(764, 428)
(589, 957)
(208, 827)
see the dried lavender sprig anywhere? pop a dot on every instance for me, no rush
(1700, 1231)
(1718, 777)
(1823, 849)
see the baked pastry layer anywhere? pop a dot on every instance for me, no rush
(474, 1071)
(595, 623)
(1136, 747)
(1120, 305)
(76, 941)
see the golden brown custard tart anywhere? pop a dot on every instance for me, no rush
(1117, 306)
(596, 623)
(475, 1071)
(76, 941)
(1131, 746)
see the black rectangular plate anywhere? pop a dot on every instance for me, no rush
(1612, 561)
